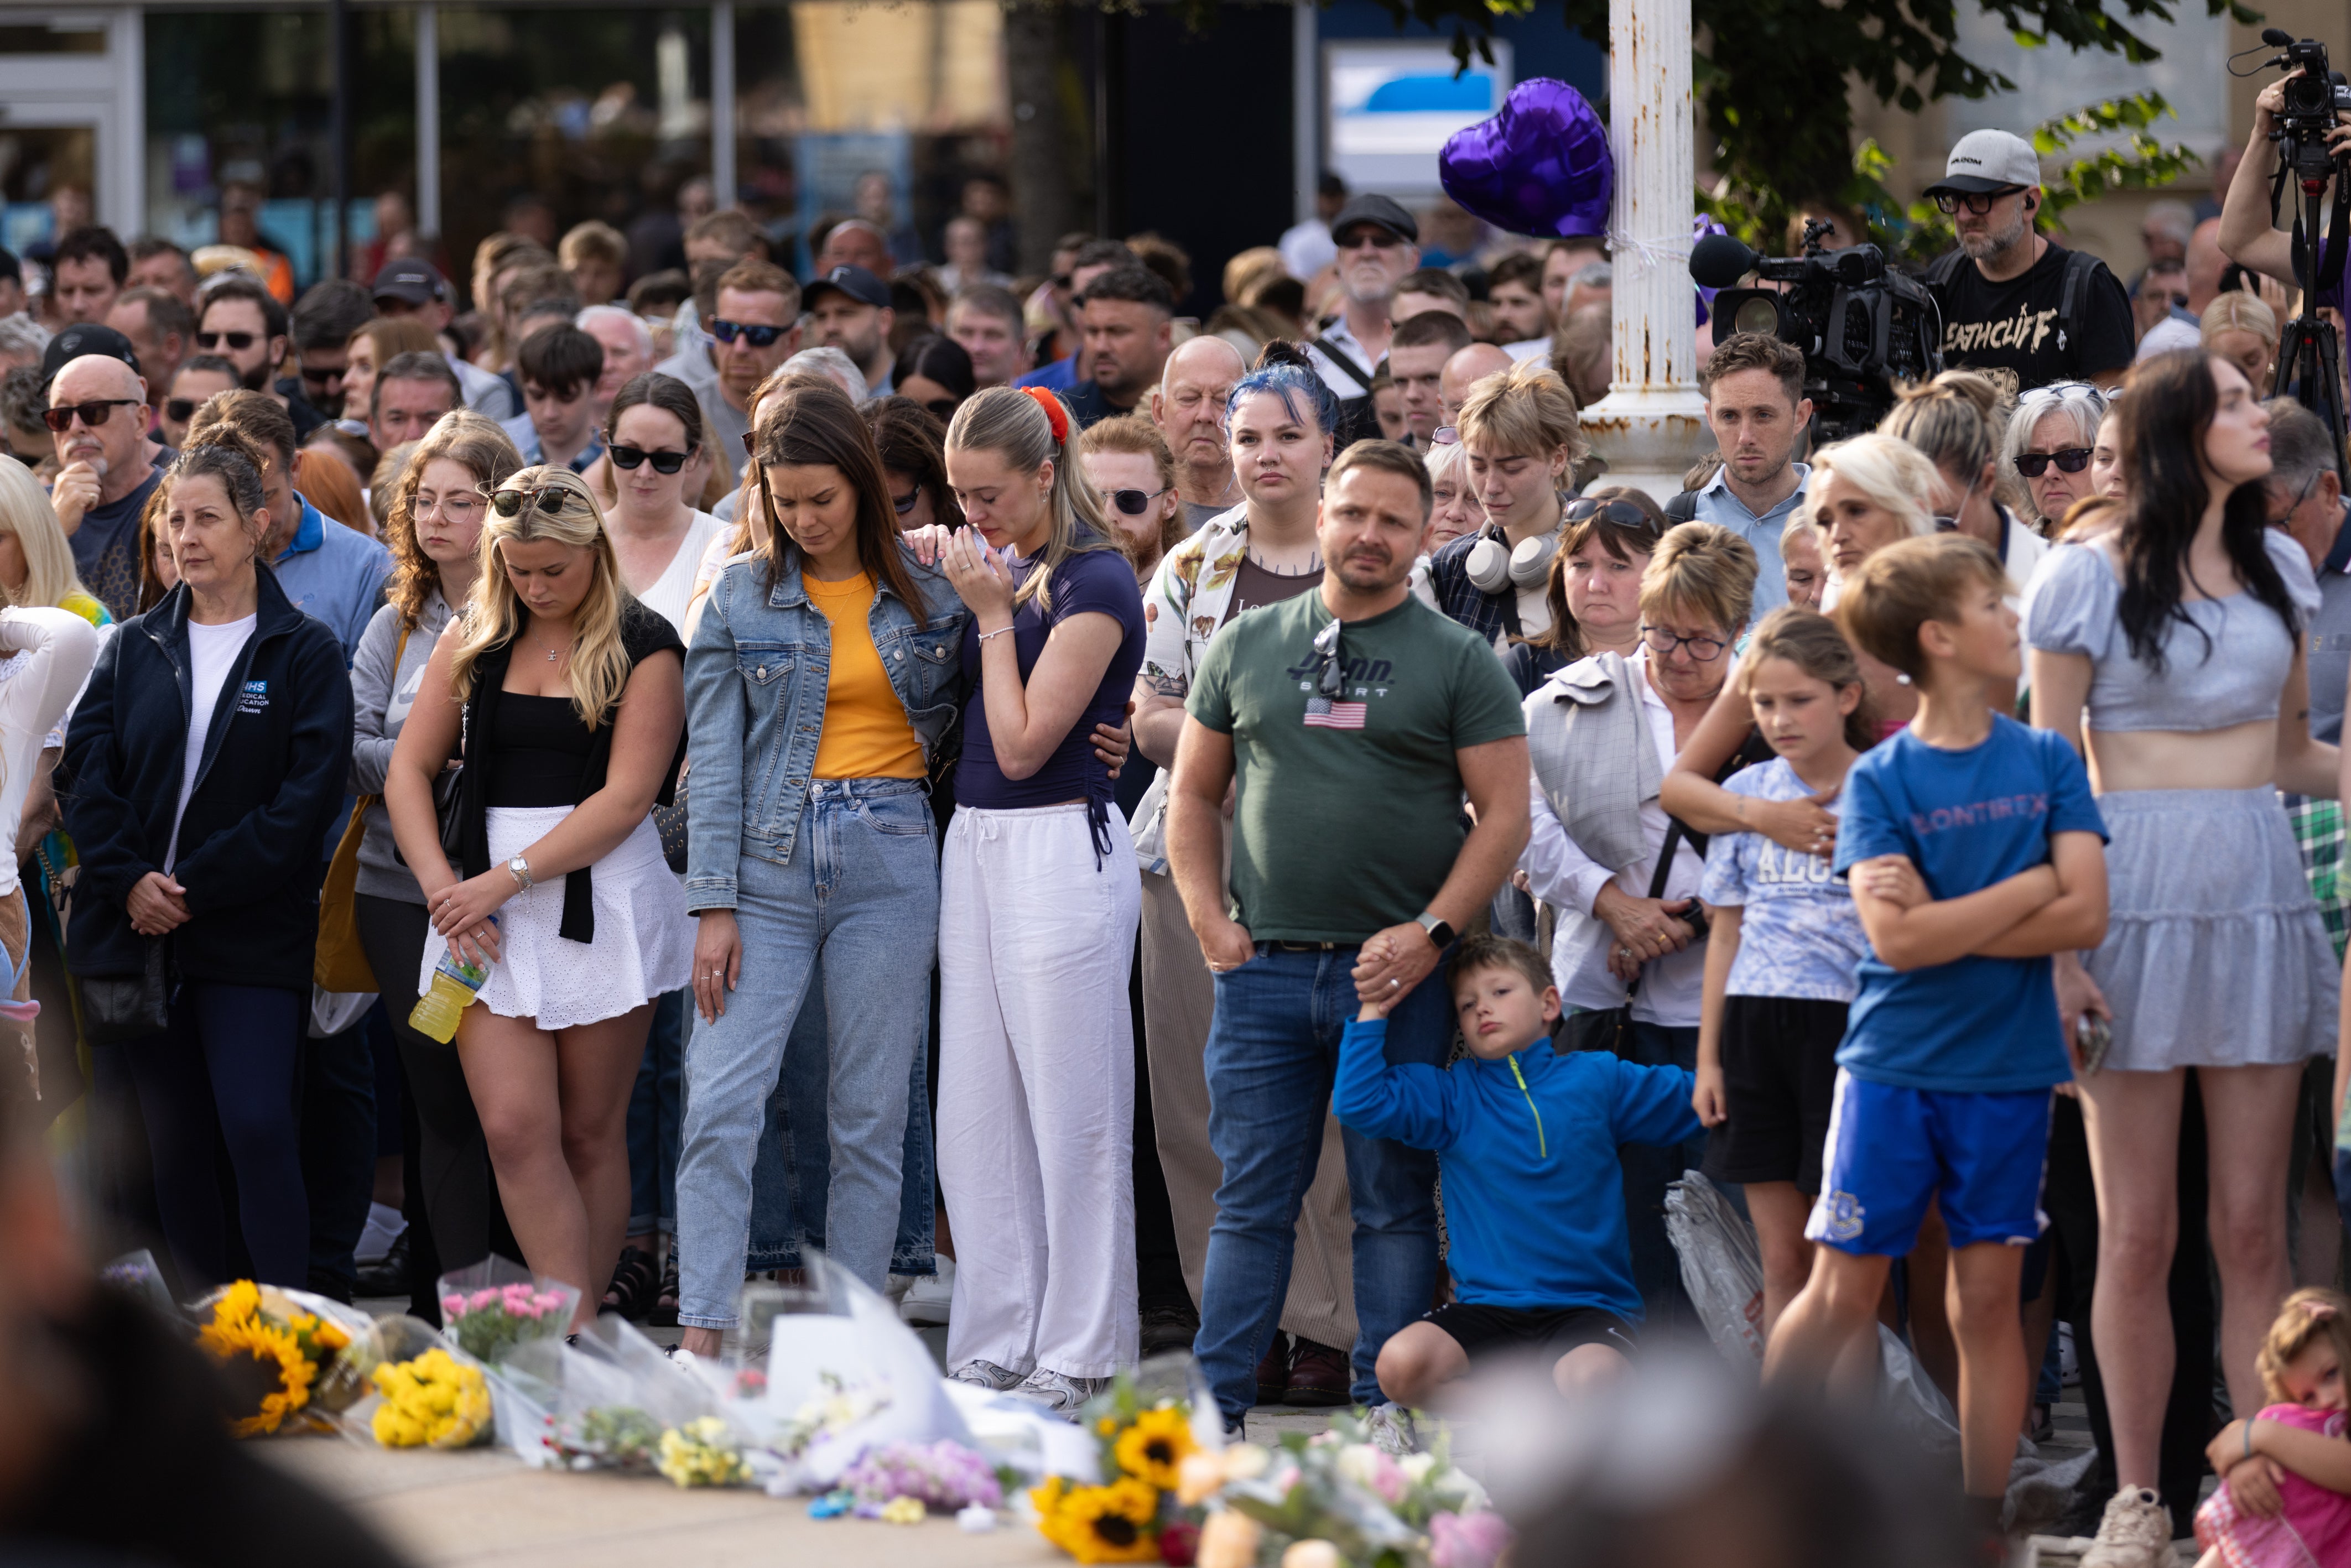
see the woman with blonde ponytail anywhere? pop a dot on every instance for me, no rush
(1038, 903)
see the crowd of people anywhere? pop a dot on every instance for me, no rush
(1090, 816)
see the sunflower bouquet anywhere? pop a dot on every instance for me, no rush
(278, 1352)
(1143, 1445)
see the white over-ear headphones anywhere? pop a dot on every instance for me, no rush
(1491, 571)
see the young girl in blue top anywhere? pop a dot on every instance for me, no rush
(1784, 948)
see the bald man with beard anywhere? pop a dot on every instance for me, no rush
(1188, 407)
(1465, 369)
(105, 473)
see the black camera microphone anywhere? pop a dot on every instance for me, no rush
(2276, 38)
(1718, 261)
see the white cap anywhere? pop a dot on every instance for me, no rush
(1989, 160)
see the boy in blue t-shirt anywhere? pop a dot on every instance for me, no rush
(1526, 1141)
(1974, 851)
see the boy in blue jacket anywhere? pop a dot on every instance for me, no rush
(1526, 1140)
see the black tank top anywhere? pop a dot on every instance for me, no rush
(542, 751)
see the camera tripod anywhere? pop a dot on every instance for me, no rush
(2309, 362)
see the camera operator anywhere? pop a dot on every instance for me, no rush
(2028, 311)
(2248, 235)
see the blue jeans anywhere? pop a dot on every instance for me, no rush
(654, 1113)
(858, 908)
(1648, 1167)
(790, 1180)
(1272, 1054)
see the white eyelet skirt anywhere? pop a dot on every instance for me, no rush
(644, 939)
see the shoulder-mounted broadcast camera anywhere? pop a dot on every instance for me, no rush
(2309, 358)
(1862, 326)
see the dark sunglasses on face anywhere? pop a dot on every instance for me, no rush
(1134, 502)
(317, 378)
(95, 412)
(634, 456)
(180, 410)
(507, 503)
(1951, 202)
(757, 335)
(2072, 460)
(904, 505)
(238, 341)
(945, 407)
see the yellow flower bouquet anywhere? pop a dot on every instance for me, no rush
(432, 1400)
(1143, 1439)
(278, 1350)
(425, 1392)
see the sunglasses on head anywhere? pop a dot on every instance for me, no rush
(751, 332)
(239, 341)
(550, 498)
(635, 456)
(1624, 513)
(1978, 202)
(1445, 435)
(2072, 460)
(1134, 502)
(95, 412)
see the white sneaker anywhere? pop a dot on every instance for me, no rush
(385, 1224)
(2135, 1533)
(1389, 1428)
(986, 1375)
(1058, 1391)
(927, 1302)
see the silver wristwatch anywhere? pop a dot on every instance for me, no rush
(519, 869)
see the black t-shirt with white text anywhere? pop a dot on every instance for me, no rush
(2011, 329)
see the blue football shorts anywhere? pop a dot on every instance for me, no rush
(1891, 1151)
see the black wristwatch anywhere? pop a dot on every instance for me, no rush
(1438, 932)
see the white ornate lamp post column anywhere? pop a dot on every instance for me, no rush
(1652, 424)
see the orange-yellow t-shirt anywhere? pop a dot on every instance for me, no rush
(866, 734)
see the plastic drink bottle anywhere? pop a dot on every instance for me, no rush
(455, 983)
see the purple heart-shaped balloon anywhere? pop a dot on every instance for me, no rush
(1540, 166)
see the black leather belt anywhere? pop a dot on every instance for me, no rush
(1308, 946)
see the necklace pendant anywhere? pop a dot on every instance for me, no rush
(551, 656)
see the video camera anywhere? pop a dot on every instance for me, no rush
(1862, 326)
(2312, 100)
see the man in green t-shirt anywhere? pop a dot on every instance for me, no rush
(1356, 719)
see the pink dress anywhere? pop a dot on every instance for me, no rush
(2313, 1532)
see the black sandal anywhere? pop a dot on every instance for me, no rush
(664, 1312)
(634, 1284)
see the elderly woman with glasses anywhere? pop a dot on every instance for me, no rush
(1622, 878)
(2049, 444)
(567, 695)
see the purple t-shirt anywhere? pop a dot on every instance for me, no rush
(1094, 581)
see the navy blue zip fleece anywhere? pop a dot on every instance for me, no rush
(1534, 1197)
(276, 759)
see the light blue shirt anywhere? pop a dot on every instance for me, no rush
(335, 574)
(525, 435)
(1717, 503)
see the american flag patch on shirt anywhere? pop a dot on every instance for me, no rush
(1321, 713)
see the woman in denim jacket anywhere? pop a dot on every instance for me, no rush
(822, 676)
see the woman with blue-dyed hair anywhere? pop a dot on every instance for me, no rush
(1278, 422)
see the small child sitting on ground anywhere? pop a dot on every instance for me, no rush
(1526, 1141)
(2285, 1500)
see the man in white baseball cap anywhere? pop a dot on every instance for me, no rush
(2015, 305)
